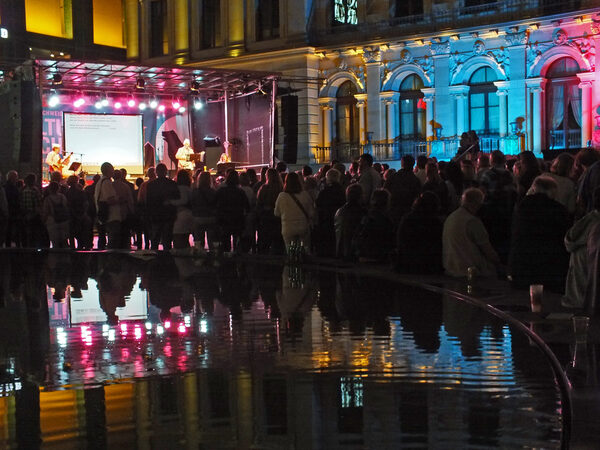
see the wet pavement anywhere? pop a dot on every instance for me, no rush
(104, 350)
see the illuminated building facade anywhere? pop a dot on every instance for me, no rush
(396, 76)
(82, 29)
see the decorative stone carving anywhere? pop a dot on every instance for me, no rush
(371, 55)
(342, 64)
(478, 47)
(405, 56)
(426, 64)
(440, 48)
(587, 49)
(502, 57)
(517, 38)
(595, 26)
(360, 74)
(534, 53)
(456, 61)
(560, 37)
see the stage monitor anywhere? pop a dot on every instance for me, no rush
(97, 138)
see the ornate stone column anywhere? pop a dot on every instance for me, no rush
(327, 105)
(131, 28)
(361, 104)
(460, 93)
(502, 94)
(586, 84)
(372, 61)
(428, 99)
(390, 100)
(536, 88)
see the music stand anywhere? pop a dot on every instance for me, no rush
(74, 167)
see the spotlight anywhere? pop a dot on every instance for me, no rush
(181, 109)
(54, 100)
(140, 83)
(104, 101)
(153, 103)
(98, 104)
(118, 105)
(131, 103)
(161, 108)
(176, 104)
(142, 106)
(198, 104)
(79, 102)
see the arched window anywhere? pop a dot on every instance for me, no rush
(347, 114)
(484, 107)
(412, 109)
(563, 104)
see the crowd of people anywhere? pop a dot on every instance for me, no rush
(523, 218)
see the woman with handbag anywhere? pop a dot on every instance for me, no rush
(296, 210)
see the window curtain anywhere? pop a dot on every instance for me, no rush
(558, 106)
(575, 101)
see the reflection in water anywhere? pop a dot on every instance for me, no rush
(176, 352)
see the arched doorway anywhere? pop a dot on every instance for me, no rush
(347, 127)
(484, 114)
(563, 105)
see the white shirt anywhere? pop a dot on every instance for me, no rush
(183, 157)
(53, 159)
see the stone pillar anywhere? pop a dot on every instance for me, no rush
(587, 80)
(390, 100)
(502, 94)
(327, 106)
(181, 28)
(429, 111)
(536, 87)
(235, 27)
(372, 60)
(362, 117)
(132, 38)
(461, 93)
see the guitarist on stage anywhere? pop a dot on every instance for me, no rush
(54, 161)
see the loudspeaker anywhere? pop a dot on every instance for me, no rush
(21, 128)
(289, 122)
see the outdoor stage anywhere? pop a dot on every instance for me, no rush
(137, 116)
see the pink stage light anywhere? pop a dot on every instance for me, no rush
(168, 324)
(80, 101)
(118, 105)
(161, 108)
(131, 103)
(176, 105)
(181, 328)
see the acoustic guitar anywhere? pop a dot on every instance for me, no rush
(59, 166)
